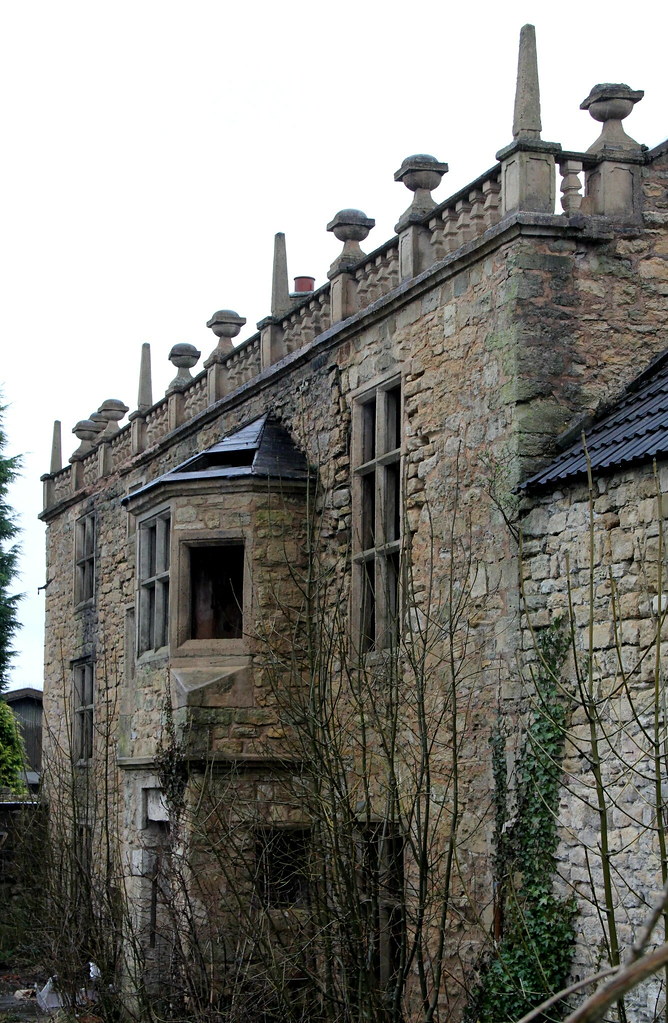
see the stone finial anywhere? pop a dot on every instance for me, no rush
(111, 412)
(526, 119)
(225, 324)
(98, 421)
(145, 392)
(421, 174)
(280, 288)
(183, 356)
(610, 103)
(85, 431)
(350, 227)
(56, 449)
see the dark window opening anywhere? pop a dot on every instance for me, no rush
(393, 418)
(369, 605)
(392, 598)
(369, 430)
(368, 510)
(282, 866)
(159, 835)
(221, 460)
(392, 503)
(216, 591)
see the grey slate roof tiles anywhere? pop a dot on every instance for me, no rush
(262, 448)
(634, 430)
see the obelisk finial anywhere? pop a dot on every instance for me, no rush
(145, 395)
(526, 120)
(56, 450)
(280, 289)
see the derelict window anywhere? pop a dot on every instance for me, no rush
(282, 860)
(216, 591)
(377, 514)
(154, 543)
(83, 710)
(84, 580)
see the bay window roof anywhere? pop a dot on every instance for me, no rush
(262, 448)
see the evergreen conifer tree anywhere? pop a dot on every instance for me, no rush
(9, 467)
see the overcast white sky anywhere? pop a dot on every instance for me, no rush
(152, 148)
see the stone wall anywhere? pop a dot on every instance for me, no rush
(502, 337)
(597, 562)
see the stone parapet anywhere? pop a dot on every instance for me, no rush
(461, 228)
(376, 279)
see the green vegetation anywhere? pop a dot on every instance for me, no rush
(533, 951)
(12, 753)
(9, 468)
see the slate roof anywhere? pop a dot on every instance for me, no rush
(261, 449)
(634, 430)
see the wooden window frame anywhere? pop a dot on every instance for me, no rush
(153, 572)
(83, 707)
(85, 540)
(377, 517)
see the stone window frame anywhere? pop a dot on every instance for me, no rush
(377, 496)
(85, 542)
(83, 709)
(154, 566)
(182, 645)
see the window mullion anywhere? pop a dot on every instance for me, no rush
(160, 612)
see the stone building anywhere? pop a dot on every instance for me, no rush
(292, 600)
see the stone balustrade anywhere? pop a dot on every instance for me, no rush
(307, 321)
(157, 423)
(378, 275)
(195, 397)
(89, 469)
(243, 363)
(62, 485)
(121, 447)
(466, 215)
